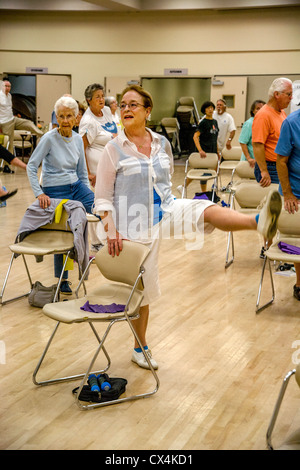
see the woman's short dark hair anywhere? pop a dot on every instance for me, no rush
(147, 98)
(205, 105)
(254, 104)
(90, 90)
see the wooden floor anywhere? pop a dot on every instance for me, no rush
(220, 364)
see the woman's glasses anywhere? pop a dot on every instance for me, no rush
(131, 106)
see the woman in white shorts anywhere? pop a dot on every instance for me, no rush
(134, 199)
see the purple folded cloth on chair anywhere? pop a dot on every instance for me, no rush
(290, 249)
(201, 196)
(112, 308)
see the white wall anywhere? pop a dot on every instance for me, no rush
(91, 46)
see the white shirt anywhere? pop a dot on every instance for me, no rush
(6, 114)
(226, 124)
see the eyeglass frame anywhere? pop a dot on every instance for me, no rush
(131, 106)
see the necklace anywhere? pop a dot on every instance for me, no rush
(65, 139)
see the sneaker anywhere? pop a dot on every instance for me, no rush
(297, 292)
(65, 288)
(268, 217)
(180, 190)
(139, 359)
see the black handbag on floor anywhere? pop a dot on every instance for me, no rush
(117, 387)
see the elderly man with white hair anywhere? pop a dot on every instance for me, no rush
(266, 130)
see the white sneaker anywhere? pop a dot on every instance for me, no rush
(139, 359)
(268, 217)
(180, 189)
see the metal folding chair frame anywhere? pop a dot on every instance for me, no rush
(100, 347)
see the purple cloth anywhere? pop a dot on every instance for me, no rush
(201, 196)
(290, 249)
(112, 308)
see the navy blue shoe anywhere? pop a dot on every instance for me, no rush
(65, 288)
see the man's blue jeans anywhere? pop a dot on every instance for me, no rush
(77, 192)
(271, 166)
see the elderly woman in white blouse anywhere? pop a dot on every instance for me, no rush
(97, 127)
(133, 196)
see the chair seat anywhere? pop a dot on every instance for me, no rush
(274, 253)
(70, 312)
(199, 174)
(42, 242)
(228, 165)
(24, 144)
(92, 218)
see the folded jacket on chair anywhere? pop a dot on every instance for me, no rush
(95, 308)
(290, 249)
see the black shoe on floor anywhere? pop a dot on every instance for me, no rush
(6, 169)
(8, 195)
(297, 292)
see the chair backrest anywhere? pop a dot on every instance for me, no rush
(211, 160)
(125, 267)
(244, 170)
(170, 122)
(250, 195)
(189, 102)
(61, 225)
(18, 133)
(289, 224)
(186, 101)
(234, 153)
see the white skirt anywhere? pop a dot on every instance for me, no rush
(186, 222)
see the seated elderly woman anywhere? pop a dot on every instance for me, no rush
(64, 169)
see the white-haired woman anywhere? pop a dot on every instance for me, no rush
(65, 176)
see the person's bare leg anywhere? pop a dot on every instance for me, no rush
(140, 326)
(17, 162)
(229, 220)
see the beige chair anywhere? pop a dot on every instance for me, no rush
(171, 128)
(201, 169)
(249, 196)
(245, 174)
(293, 441)
(126, 288)
(50, 239)
(231, 158)
(289, 232)
(188, 104)
(23, 141)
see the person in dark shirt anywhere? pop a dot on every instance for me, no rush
(206, 136)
